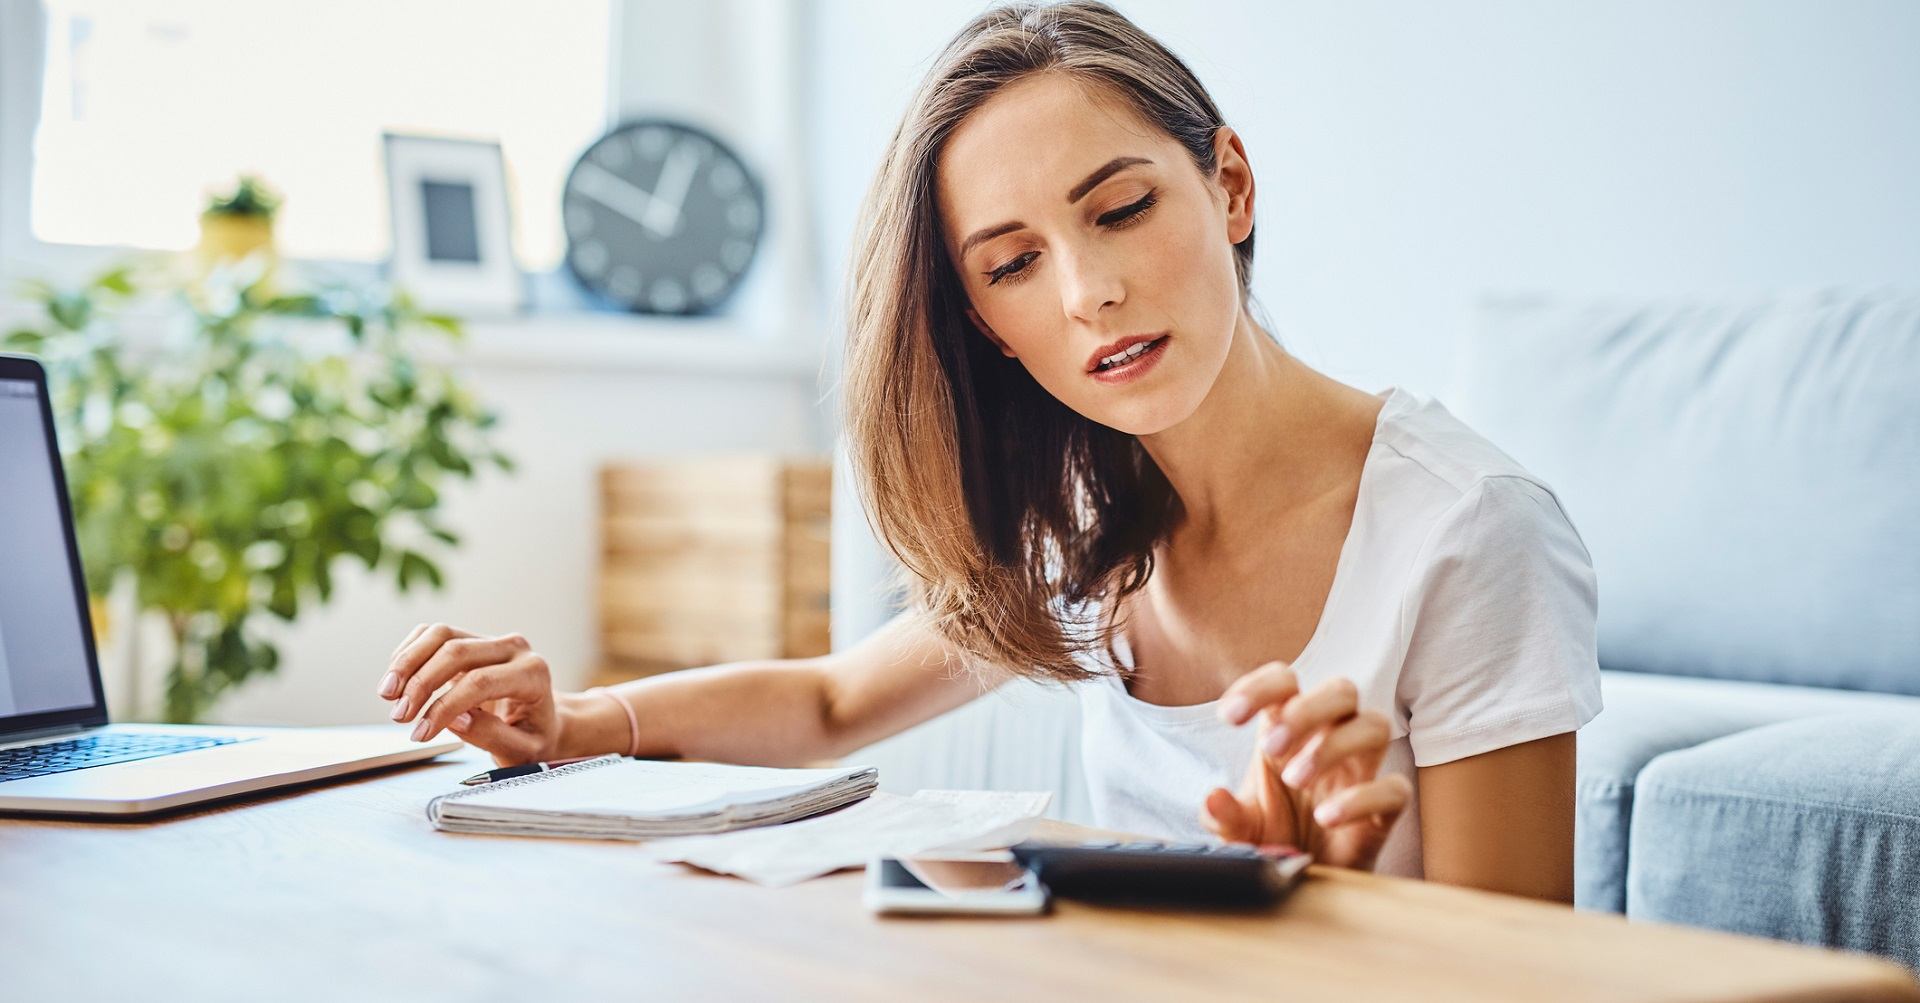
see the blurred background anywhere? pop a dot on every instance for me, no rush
(1414, 161)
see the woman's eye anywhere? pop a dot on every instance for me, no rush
(1126, 215)
(1012, 270)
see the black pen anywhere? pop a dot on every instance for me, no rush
(509, 772)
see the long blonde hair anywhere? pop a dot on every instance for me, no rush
(1008, 512)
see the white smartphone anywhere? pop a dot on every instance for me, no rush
(989, 882)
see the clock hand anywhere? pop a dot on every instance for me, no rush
(620, 195)
(675, 177)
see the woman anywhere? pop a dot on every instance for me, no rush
(1096, 467)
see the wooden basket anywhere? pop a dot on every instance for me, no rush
(712, 560)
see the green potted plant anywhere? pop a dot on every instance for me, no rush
(228, 468)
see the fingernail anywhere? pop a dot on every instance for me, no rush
(1298, 772)
(1235, 708)
(400, 709)
(420, 730)
(1277, 740)
(390, 684)
(460, 723)
(1326, 814)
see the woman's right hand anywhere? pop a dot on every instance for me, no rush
(501, 700)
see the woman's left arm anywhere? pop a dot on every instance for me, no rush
(1502, 820)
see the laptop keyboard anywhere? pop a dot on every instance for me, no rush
(96, 750)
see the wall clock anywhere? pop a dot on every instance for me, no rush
(661, 217)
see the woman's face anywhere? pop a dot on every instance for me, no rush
(1093, 251)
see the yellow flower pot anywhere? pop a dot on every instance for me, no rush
(226, 239)
(101, 624)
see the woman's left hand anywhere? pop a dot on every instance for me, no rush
(1314, 780)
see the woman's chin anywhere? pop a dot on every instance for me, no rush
(1147, 416)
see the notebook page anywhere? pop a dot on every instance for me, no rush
(647, 787)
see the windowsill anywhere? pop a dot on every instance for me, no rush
(563, 330)
(719, 345)
(578, 341)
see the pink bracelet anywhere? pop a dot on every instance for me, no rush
(633, 722)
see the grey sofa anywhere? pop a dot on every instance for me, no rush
(1747, 478)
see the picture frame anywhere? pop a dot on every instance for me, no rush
(451, 224)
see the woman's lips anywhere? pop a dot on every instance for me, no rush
(1109, 351)
(1136, 367)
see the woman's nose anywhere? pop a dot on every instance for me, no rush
(1088, 284)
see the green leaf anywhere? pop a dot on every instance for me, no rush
(417, 495)
(303, 305)
(412, 569)
(70, 310)
(118, 280)
(367, 548)
(285, 602)
(450, 324)
(26, 341)
(415, 568)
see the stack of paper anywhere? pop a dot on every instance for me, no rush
(612, 797)
(883, 825)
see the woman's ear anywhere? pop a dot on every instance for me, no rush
(974, 315)
(1235, 177)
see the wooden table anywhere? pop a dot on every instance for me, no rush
(344, 891)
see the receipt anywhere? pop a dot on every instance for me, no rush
(882, 825)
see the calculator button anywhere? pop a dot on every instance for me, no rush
(1099, 846)
(1187, 847)
(1139, 846)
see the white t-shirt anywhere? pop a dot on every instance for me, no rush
(1462, 606)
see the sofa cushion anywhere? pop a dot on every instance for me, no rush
(1744, 474)
(1646, 716)
(1806, 830)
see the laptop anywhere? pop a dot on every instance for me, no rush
(58, 753)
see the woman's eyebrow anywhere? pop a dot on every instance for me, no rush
(1106, 170)
(1079, 191)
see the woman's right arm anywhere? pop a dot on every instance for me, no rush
(774, 713)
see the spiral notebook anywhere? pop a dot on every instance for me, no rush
(614, 797)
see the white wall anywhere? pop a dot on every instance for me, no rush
(1411, 156)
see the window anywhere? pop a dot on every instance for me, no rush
(146, 107)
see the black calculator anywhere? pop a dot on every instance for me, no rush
(1196, 873)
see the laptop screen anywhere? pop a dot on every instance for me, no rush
(43, 650)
